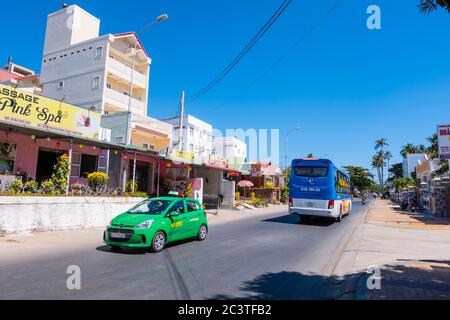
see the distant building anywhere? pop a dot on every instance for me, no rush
(410, 163)
(231, 149)
(196, 141)
(19, 77)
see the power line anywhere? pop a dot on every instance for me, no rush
(262, 31)
(289, 51)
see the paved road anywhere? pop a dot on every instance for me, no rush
(262, 256)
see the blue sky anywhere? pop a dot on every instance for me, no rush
(345, 85)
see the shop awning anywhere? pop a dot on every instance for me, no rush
(210, 166)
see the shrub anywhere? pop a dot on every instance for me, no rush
(98, 182)
(253, 196)
(128, 186)
(32, 187)
(285, 195)
(188, 190)
(269, 185)
(16, 186)
(60, 174)
(48, 187)
(138, 194)
(237, 196)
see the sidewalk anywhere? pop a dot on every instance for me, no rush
(411, 250)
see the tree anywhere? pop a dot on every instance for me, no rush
(361, 178)
(60, 174)
(433, 149)
(403, 183)
(410, 148)
(388, 156)
(380, 144)
(378, 163)
(396, 172)
(427, 6)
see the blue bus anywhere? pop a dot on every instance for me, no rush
(318, 188)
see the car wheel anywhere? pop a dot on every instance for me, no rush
(159, 241)
(202, 233)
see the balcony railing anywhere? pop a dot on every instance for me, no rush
(120, 101)
(123, 71)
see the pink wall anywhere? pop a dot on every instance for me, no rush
(28, 151)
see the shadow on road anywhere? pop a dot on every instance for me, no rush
(291, 219)
(416, 280)
(127, 251)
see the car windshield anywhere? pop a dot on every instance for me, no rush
(150, 207)
(311, 172)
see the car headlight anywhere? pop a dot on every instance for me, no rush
(144, 225)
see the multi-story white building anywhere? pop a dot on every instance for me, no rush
(231, 149)
(196, 138)
(94, 72)
(410, 163)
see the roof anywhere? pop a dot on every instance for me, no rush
(125, 34)
(6, 75)
(272, 171)
(27, 77)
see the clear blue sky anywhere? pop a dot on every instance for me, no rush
(345, 85)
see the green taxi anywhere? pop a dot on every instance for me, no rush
(155, 222)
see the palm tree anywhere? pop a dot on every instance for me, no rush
(378, 163)
(388, 156)
(410, 148)
(379, 145)
(310, 155)
(427, 6)
(432, 150)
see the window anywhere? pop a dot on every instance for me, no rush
(95, 83)
(191, 131)
(98, 52)
(311, 172)
(192, 206)
(109, 86)
(60, 84)
(88, 165)
(178, 207)
(150, 207)
(342, 182)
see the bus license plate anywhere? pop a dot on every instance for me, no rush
(309, 204)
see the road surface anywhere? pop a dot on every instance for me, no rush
(265, 255)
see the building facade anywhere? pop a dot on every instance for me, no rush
(94, 72)
(410, 163)
(196, 141)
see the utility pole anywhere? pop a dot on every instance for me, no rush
(180, 137)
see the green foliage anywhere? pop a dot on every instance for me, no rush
(361, 178)
(98, 182)
(32, 187)
(428, 6)
(188, 190)
(285, 195)
(396, 172)
(16, 186)
(237, 196)
(128, 186)
(269, 185)
(60, 174)
(48, 187)
(403, 183)
(138, 194)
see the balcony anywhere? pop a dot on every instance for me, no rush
(122, 73)
(120, 101)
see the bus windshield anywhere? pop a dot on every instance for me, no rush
(311, 172)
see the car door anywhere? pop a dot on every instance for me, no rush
(179, 224)
(194, 213)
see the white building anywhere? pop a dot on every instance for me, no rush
(410, 163)
(94, 72)
(231, 149)
(196, 141)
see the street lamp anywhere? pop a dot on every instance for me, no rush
(287, 144)
(160, 18)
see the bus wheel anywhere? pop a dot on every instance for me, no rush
(302, 218)
(339, 218)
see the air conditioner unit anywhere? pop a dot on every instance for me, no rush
(120, 140)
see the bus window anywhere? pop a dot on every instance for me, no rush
(311, 172)
(342, 183)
